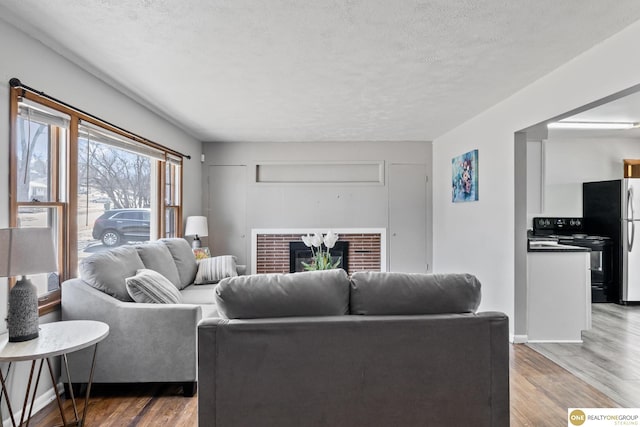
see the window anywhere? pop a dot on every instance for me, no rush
(41, 140)
(172, 197)
(95, 185)
(114, 179)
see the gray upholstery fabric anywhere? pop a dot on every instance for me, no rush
(209, 310)
(149, 286)
(107, 271)
(146, 342)
(156, 256)
(354, 371)
(374, 293)
(201, 294)
(184, 259)
(311, 293)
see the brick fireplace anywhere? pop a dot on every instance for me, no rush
(366, 249)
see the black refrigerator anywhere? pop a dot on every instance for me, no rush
(609, 209)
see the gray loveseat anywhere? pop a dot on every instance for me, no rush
(379, 349)
(147, 342)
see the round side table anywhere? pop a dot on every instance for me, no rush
(55, 339)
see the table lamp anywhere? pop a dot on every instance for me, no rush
(196, 226)
(25, 251)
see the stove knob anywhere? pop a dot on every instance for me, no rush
(572, 222)
(578, 222)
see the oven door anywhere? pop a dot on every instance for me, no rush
(597, 266)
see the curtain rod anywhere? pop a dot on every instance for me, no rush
(14, 82)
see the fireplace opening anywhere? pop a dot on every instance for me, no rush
(299, 253)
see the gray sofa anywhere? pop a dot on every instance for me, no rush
(146, 342)
(380, 349)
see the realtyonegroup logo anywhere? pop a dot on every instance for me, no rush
(601, 417)
(577, 417)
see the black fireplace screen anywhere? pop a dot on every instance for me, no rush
(299, 253)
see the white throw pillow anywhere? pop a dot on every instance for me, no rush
(212, 270)
(152, 287)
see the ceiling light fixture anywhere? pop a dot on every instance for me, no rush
(592, 125)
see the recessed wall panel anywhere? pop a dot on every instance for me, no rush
(342, 173)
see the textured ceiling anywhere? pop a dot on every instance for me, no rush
(301, 70)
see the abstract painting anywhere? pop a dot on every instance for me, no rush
(465, 177)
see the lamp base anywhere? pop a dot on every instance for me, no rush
(22, 319)
(196, 243)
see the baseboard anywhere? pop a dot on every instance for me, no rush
(519, 339)
(41, 401)
(555, 342)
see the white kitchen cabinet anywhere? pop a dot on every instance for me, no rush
(558, 295)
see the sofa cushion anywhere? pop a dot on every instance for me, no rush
(212, 270)
(184, 259)
(156, 256)
(107, 271)
(376, 293)
(201, 294)
(149, 286)
(311, 293)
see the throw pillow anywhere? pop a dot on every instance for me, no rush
(152, 287)
(156, 256)
(108, 270)
(212, 270)
(184, 259)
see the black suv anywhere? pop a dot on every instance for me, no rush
(117, 226)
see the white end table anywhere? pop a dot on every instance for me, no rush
(55, 339)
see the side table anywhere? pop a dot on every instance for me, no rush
(55, 339)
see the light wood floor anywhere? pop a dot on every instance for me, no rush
(541, 392)
(609, 357)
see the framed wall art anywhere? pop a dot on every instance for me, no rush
(464, 181)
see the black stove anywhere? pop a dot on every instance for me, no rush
(570, 231)
(545, 226)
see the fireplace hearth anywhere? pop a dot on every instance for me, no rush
(299, 253)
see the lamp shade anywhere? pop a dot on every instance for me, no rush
(26, 251)
(196, 226)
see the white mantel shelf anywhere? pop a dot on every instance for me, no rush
(364, 230)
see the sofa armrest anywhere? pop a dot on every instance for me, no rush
(146, 342)
(499, 345)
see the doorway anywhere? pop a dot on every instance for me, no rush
(565, 201)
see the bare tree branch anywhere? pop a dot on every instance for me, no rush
(124, 177)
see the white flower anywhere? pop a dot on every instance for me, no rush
(330, 239)
(316, 240)
(307, 240)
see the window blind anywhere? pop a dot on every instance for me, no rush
(97, 134)
(175, 160)
(32, 111)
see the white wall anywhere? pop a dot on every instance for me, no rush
(479, 237)
(571, 161)
(323, 206)
(41, 68)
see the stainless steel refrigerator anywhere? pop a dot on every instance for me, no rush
(612, 209)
